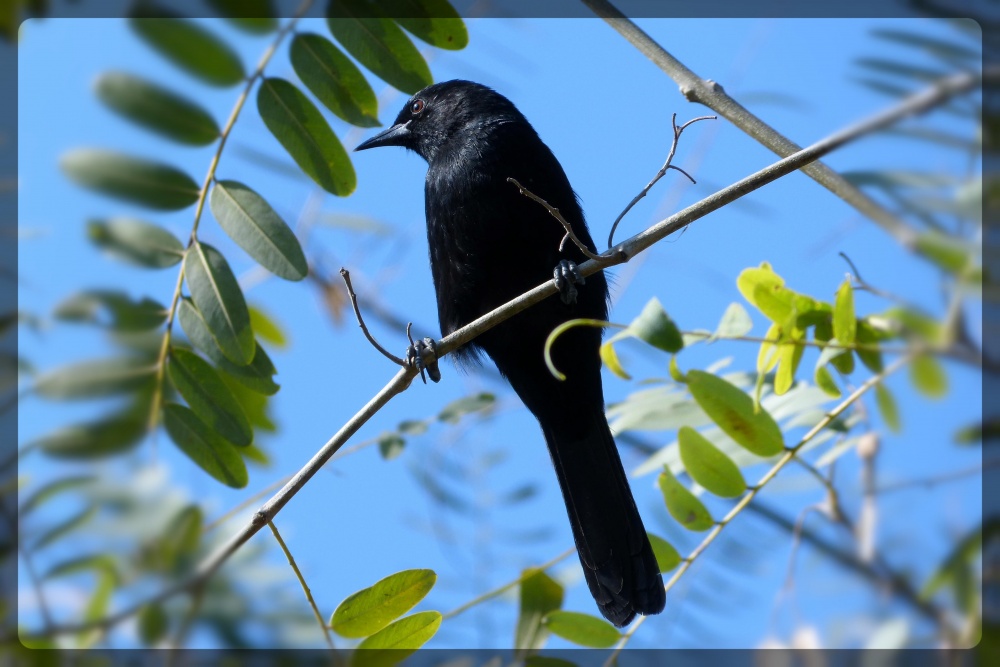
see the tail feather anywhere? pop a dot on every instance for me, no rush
(618, 561)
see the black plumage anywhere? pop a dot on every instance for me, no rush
(488, 244)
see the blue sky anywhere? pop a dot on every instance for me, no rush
(605, 112)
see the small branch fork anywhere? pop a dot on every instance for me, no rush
(660, 174)
(554, 212)
(361, 322)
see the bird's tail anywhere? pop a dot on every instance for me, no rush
(617, 558)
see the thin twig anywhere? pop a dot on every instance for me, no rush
(305, 587)
(863, 284)
(554, 212)
(660, 174)
(943, 478)
(361, 322)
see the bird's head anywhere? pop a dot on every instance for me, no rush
(440, 112)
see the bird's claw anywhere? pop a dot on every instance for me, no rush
(566, 276)
(422, 355)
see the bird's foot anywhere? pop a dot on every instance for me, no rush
(422, 355)
(566, 276)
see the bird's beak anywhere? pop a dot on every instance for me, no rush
(397, 135)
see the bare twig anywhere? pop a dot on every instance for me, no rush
(863, 284)
(927, 482)
(554, 212)
(663, 170)
(305, 587)
(361, 322)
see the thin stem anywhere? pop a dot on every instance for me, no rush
(305, 587)
(361, 322)
(554, 212)
(500, 590)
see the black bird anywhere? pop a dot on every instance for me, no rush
(489, 244)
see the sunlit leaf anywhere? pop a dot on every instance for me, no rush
(157, 108)
(334, 79)
(582, 629)
(298, 126)
(708, 466)
(454, 411)
(733, 411)
(378, 44)
(824, 380)
(789, 356)
(845, 325)
(371, 609)
(928, 376)
(134, 179)
(666, 555)
(208, 396)
(188, 45)
(253, 224)
(434, 21)
(540, 595)
(655, 327)
(137, 242)
(219, 299)
(735, 322)
(405, 635)
(949, 253)
(872, 359)
(267, 328)
(610, 359)
(208, 450)
(887, 407)
(686, 509)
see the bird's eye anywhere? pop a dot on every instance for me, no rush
(417, 106)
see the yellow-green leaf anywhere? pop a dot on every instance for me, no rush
(708, 466)
(666, 555)
(887, 407)
(582, 629)
(540, 595)
(371, 609)
(682, 504)
(928, 376)
(610, 359)
(845, 324)
(824, 380)
(405, 635)
(733, 411)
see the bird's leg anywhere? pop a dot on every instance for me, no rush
(422, 355)
(566, 276)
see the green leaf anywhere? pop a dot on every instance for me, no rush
(53, 489)
(405, 635)
(78, 564)
(209, 397)
(299, 126)
(188, 45)
(218, 297)
(845, 324)
(433, 21)
(733, 411)
(824, 380)
(153, 624)
(120, 312)
(334, 79)
(257, 375)
(887, 407)
(267, 328)
(655, 327)
(157, 108)
(133, 179)
(252, 223)
(390, 445)
(137, 242)
(256, 407)
(106, 437)
(947, 252)
(582, 629)
(735, 322)
(412, 427)
(179, 541)
(378, 44)
(872, 359)
(708, 466)
(207, 449)
(682, 504)
(789, 356)
(540, 596)
(371, 609)
(95, 379)
(454, 411)
(928, 376)
(667, 557)
(256, 17)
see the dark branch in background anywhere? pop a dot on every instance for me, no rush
(660, 174)
(361, 322)
(911, 105)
